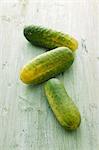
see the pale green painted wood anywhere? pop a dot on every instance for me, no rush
(26, 121)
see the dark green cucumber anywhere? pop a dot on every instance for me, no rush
(62, 105)
(47, 65)
(48, 38)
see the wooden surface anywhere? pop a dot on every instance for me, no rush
(26, 121)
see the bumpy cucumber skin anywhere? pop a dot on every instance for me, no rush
(62, 105)
(46, 65)
(48, 38)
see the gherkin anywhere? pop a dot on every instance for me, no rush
(47, 65)
(63, 107)
(48, 38)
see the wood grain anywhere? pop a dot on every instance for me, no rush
(26, 121)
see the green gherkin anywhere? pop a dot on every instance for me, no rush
(49, 38)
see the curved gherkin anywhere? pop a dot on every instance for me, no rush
(62, 105)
